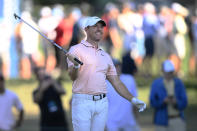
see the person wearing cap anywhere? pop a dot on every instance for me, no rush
(8, 100)
(168, 98)
(89, 102)
(123, 118)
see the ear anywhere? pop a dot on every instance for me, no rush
(86, 28)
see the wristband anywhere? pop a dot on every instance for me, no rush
(133, 100)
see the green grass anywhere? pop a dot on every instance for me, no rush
(24, 90)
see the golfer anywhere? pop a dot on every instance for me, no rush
(89, 101)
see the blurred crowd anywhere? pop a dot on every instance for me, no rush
(143, 30)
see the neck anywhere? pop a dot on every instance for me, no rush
(92, 42)
(168, 79)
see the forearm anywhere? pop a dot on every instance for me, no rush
(20, 119)
(123, 91)
(157, 102)
(21, 116)
(38, 96)
(73, 73)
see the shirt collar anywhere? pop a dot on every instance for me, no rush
(87, 44)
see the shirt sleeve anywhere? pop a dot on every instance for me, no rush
(111, 69)
(17, 103)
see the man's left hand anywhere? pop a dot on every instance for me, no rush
(139, 104)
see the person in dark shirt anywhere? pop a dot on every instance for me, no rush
(48, 97)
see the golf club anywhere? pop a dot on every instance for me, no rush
(51, 41)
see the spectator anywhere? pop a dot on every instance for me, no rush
(138, 52)
(28, 44)
(64, 32)
(123, 118)
(112, 42)
(47, 24)
(150, 26)
(48, 97)
(165, 32)
(78, 33)
(9, 99)
(180, 38)
(5, 47)
(168, 98)
(194, 31)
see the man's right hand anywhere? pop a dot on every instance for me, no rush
(71, 57)
(170, 100)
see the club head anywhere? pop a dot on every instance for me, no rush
(15, 16)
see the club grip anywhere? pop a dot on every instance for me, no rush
(78, 61)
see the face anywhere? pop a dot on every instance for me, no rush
(168, 75)
(95, 33)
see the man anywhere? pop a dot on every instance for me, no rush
(168, 98)
(9, 99)
(89, 102)
(27, 45)
(124, 118)
(48, 97)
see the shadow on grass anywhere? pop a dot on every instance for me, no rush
(145, 119)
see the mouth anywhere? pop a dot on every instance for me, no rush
(99, 33)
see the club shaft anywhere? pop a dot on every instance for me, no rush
(51, 41)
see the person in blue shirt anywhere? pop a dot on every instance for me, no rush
(168, 98)
(122, 115)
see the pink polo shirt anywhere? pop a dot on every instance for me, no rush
(97, 64)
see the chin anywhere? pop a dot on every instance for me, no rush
(98, 39)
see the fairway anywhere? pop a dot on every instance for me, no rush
(31, 123)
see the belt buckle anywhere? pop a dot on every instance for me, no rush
(97, 97)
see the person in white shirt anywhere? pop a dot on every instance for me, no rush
(28, 45)
(9, 99)
(122, 114)
(47, 24)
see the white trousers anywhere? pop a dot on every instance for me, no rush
(88, 115)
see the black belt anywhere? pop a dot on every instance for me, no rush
(98, 97)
